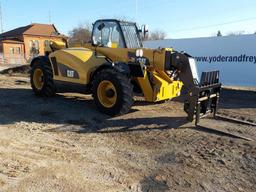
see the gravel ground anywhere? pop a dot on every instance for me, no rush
(64, 144)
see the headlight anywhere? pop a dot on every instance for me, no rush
(139, 53)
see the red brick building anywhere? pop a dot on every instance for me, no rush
(19, 45)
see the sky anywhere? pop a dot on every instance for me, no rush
(177, 18)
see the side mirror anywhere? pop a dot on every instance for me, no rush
(144, 30)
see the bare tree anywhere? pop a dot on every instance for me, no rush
(80, 35)
(156, 35)
(233, 33)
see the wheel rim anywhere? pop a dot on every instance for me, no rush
(38, 78)
(106, 93)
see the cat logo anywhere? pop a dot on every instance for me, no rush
(70, 73)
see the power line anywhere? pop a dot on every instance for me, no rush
(215, 25)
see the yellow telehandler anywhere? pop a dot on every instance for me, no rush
(115, 65)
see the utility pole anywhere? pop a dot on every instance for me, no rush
(50, 17)
(1, 18)
(136, 10)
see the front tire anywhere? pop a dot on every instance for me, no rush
(41, 78)
(112, 92)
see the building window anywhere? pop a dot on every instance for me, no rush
(18, 50)
(34, 47)
(11, 50)
(46, 43)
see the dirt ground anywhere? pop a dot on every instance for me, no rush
(63, 144)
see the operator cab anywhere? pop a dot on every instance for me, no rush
(116, 34)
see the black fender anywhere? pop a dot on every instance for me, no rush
(43, 58)
(119, 66)
(129, 69)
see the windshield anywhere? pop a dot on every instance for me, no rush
(131, 35)
(107, 34)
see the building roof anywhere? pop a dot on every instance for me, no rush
(32, 29)
(12, 41)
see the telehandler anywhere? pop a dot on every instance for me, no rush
(115, 65)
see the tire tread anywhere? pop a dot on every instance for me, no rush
(126, 99)
(48, 89)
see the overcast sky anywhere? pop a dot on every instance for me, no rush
(179, 19)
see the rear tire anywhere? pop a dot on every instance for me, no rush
(112, 92)
(41, 78)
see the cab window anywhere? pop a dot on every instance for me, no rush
(107, 34)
